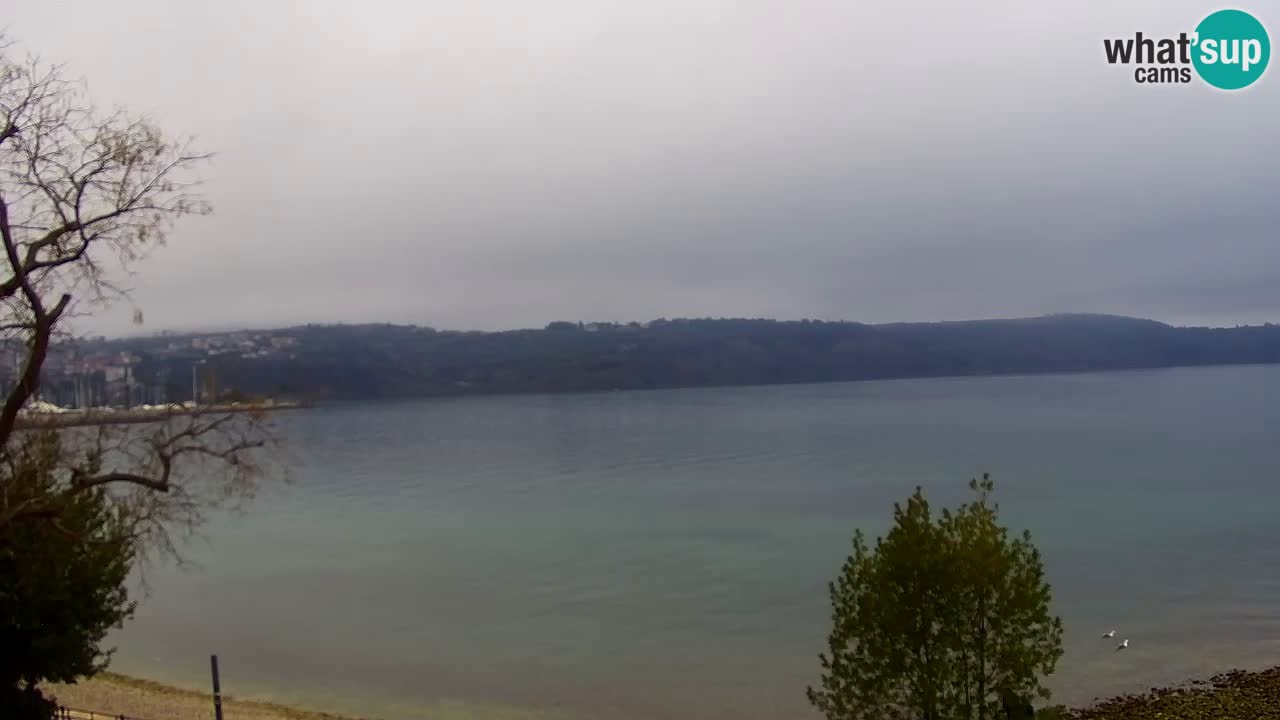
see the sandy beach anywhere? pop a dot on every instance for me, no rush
(110, 695)
(146, 700)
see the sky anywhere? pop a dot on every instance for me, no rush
(490, 164)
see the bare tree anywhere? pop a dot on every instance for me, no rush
(84, 194)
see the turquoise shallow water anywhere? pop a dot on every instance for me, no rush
(664, 554)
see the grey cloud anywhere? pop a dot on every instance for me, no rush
(500, 164)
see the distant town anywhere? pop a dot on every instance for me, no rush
(158, 370)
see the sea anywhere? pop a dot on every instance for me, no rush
(666, 554)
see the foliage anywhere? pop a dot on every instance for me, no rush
(388, 361)
(942, 618)
(83, 193)
(61, 582)
(25, 703)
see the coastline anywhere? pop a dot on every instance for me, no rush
(1234, 695)
(113, 694)
(109, 416)
(1237, 694)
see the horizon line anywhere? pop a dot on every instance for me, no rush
(228, 330)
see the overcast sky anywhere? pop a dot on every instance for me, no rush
(502, 163)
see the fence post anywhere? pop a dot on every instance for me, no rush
(217, 688)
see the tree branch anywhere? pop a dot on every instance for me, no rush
(76, 187)
(30, 377)
(159, 485)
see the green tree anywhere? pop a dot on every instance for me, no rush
(943, 619)
(84, 193)
(62, 583)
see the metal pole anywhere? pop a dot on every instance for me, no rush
(217, 688)
(194, 397)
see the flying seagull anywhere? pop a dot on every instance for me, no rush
(1123, 644)
(1109, 634)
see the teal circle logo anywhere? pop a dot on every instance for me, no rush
(1231, 49)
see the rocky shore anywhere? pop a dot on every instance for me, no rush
(1235, 695)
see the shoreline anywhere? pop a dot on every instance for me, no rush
(1235, 694)
(109, 416)
(113, 694)
(1240, 694)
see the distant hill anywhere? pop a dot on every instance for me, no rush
(390, 361)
